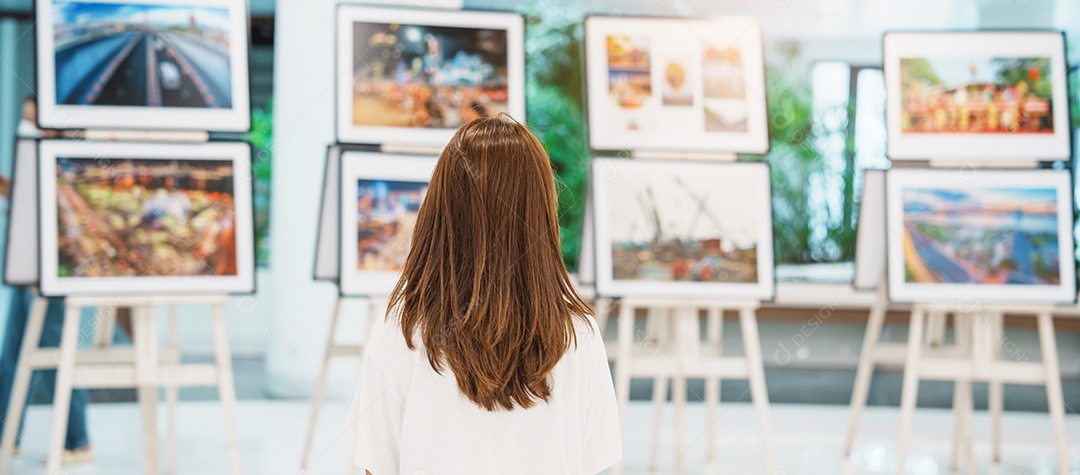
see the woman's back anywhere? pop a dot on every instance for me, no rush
(418, 422)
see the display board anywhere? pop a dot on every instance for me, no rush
(870, 233)
(586, 271)
(679, 229)
(381, 195)
(143, 64)
(676, 84)
(993, 236)
(326, 238)
(977, 96)
(135, 218)
(414, 76)
(21, 255)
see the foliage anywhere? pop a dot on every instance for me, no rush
(796, 164)
(261, 140)
(554, 98)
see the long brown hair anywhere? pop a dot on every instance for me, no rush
(485, 281)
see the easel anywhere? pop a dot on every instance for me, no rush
(674, 323)
(980, 360)
(985, 364)
(692, 359)
(145, 366)
(335, 350)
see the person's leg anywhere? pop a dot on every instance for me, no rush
(77, 436)
(18, 313)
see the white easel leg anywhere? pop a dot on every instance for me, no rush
(996, 397)
(65, 357)
(910, 391)
(715, 337)
(144, 322)
(226, 390)
(21, 385)
(758, 392)
(659, 397)
(622, 370)
(965, 417)
(172, 393)
(864, 373)
(603, 311)
(320, 387)
(686, 335)
(1055, 398)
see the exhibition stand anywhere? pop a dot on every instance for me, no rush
(145, 366)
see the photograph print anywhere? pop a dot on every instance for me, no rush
(977, 94)
(134, 218)
(671, 229)
(1003, 235)
(380, 201)
(665, 84)
(147, 56)
(424, 74)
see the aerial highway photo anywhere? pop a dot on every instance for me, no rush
(127, 54)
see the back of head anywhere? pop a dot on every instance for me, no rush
(484, 282)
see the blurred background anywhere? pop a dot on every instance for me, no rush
(823, 75)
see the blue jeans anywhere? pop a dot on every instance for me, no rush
(18, 315)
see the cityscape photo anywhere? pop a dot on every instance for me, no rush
(129, 218)
(386, 215)
(993, 235)
(681, 227)
(130, 54)
(976, 95)
(427, 76)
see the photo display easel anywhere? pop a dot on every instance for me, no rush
(975, 228)
(134, 108)
(392, 121)
(675, 100)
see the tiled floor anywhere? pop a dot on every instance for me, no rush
(807, 440)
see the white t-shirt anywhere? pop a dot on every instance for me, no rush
(407, 419)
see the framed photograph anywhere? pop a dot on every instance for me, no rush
(144, 218)
(676, 84)
(870, 232)
(381, 195)
(414, 76)
(989, 236)
(682, 229)
(977, 96)
(143, 64)
(21, 255)
(326, 237)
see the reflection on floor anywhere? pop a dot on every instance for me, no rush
(807, 440)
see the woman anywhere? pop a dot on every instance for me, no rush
(488, 361)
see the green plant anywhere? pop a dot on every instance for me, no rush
(554, 98)
(261, 140)
(796, 162)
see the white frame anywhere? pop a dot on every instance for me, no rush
(355, 166)
(605, 170)
(238, 153)
(237, 118)
(977, 149)
(671, 128)
(513, 24)
(21, 255)
(902, 291)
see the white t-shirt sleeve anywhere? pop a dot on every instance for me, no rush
(373, 435)
(602, 438)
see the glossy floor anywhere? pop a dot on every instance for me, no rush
(807, 439)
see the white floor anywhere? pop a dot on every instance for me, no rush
(807, 439)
